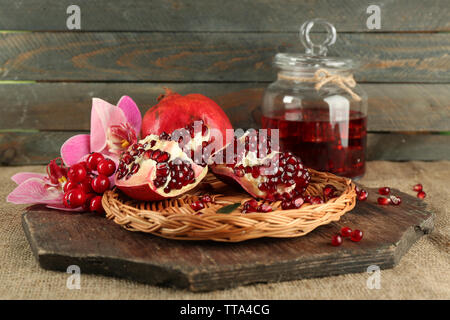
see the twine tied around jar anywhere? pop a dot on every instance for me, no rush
(323, 76)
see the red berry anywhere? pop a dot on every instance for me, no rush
(384, 201)
(356, 235)
(86, 204)
(100, 183)
(93, 160)
(336, 240)
(197, 205)
(70, 185)
(395, 200)
(74, 198)
(346, 232)
(384, 191)
(362, 195)
(95, 204)
(77, 173)
(418, 187)
(85, 185)
(106, 167)
(421, 194)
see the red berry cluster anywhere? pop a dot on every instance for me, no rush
(83, 187)
(200, 204)
(392, 199)
(346, 232)
(419, 189)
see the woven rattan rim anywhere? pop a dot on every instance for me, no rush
(175, 219)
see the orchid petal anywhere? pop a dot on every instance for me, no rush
(131, 112)
(62, 207)
(35, 191)
(23, 176)
(75, 148)
(103, 115)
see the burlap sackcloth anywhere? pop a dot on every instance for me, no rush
(423, 273)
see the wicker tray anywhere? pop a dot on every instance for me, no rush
(175, 219)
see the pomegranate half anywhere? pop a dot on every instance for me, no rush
(156, 169)
(262, 172)
(175, 111)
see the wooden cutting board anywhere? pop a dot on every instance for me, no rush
(99, 246)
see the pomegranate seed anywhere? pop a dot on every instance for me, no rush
(395, 200)
(77, 173)
(346, 232)
(100, 183)
(421, 194)
(93, 160)
(384, 191)
(238, 171)
(418, 187)
(336, 240)
(329, 191)
(383, 201)
(74, 198)
(264, 208)
(106, 167)
(362, 195)
(297, 202)
(163, 157)
(127, 158)
(95, 204)
(155, 154)
(206, 199)
(197, 205)
(356, 235)
(316, 200)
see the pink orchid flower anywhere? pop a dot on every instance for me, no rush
(113, 129)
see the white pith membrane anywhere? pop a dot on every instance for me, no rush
(147, 146)
(248, 181)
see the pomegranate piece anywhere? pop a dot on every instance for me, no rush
(356, 235)
(264, 173)
(197, 205)
(395, 200)
(336, 240)
(175, 111)
(384, 201)
(384, 191)
(346, 232)
(418, 187)
(421, 195)
(158, 169)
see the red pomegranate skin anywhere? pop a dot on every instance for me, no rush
(175, 111)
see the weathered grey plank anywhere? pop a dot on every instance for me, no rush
(24, 148)
(216, 15)
(157, 56)
(392, 107)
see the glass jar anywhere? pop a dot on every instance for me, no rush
(320, 111)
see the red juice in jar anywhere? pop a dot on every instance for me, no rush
(323, 140)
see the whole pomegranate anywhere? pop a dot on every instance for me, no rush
(157, 167)
(262, 172)
(175, 111)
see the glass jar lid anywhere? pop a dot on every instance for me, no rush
(315, 56)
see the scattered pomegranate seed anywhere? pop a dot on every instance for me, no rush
(418, 187)
(106, 167)
(421, 194)
(100, 183)
(205, 199)
(93, 160)
(384, 201)
(77, 173)
(395, 200)
(361, 194)
(384, 191)
(346, 232)
(329, 191)
(356, 235)
(336, 240)
(95, 204)
(197, 205)
(264, 208)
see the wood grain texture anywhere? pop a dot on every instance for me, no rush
(392, 107)
(216, 15)
(196, 57)
(99, 246)
(27, 148)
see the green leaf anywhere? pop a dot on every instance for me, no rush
(229, 208)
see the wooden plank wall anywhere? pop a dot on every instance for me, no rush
(223, 49)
